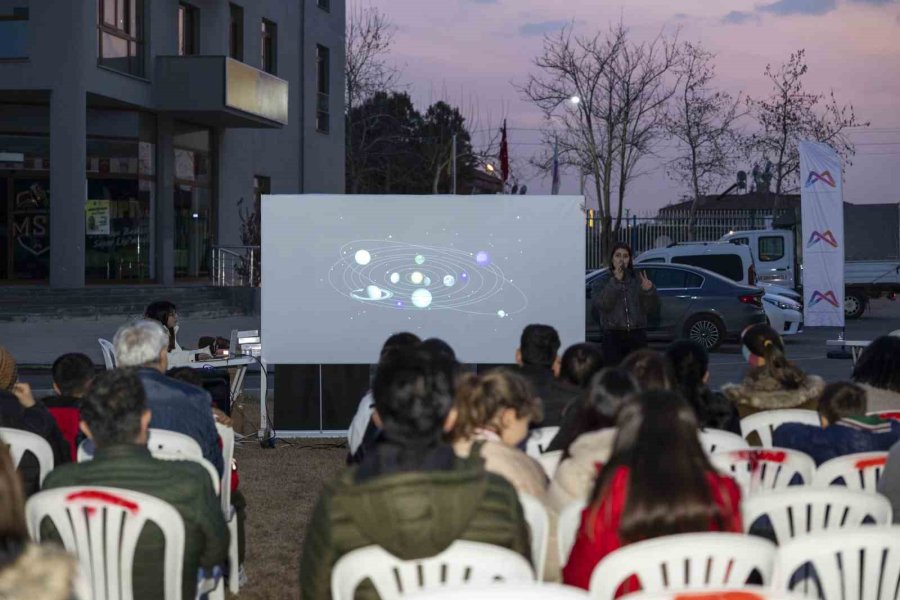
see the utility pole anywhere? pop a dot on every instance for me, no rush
(453, 166)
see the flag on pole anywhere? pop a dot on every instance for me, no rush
(554, 186)
(504, 154)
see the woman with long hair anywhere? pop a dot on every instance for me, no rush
(586, 438)
(772, 381)
(622, 305)
(650, 368)
(166, 313)
(690, 366)
(658, 482)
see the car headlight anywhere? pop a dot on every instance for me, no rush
(780, 304)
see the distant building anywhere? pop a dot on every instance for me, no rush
(752, 201)
(481, 183)
(123, 155)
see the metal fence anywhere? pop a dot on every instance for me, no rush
(235, 266)
(669, 227)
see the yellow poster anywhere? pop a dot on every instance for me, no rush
(96, 214)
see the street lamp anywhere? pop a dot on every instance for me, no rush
(575, 100)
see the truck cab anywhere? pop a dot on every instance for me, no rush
(774, 255)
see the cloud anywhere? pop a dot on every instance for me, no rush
(682, 16)
(799, 7)
(737, 17)
(532, 29)
(875, 2)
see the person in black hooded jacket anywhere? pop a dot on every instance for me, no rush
(690, 363)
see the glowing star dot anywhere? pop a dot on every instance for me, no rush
(482, 258)
(501, 313)
(374, 292)
(419, 259)
(449, 280)
(417, 278)
(421, 298)
(465, 275)
(395, 277)
(362, 257)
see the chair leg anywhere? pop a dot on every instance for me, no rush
(233, 563)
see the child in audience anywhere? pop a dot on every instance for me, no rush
(690, 365)
(587, 439)
(72, 376)
(658, 482)
(845, 427)
(651, 369)
(878, 372)
(579, 364)
(493, 412)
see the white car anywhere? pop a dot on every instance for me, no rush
(785, 314)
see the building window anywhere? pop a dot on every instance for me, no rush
(188, 30)
(323, 85)
(236, 33)
(195, 199)
(324, 5)
(121, 35)
(14, 32)
(269, 46)
(771, 248)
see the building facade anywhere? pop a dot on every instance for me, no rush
(135, 134)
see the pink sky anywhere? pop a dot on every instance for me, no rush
(473, 52)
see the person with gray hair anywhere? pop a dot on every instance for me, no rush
(175, 405)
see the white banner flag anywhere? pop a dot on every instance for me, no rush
(822, 210)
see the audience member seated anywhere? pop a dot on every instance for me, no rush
(411, 494)
(72, 375)
(538, 362)
(176, 406)
(878, 372)
(690, 365)
(579, 364)
(845, 427)
(587, 439)
(772, 381)
(493, 414)
(889, 484)
(651, 369)
(28, 571)
(658, 482)
(115, 417)
(361, 427)
(165, 313)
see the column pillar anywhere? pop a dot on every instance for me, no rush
(68, 184)
(165, 201)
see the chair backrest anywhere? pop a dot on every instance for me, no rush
(860, 471)
(718, 440)
(462, 563)
(539, 526)
(210, 469)
(549, 461)
(689, 561)
(21, 441)
(539, 440)
(750, 592)
(227, 435)
(805, 510)
(101, 526)
(765, 422)
(163, 440)
(567, 529)
(503, 591)
(109, 353)
(83, 452)
(886, 414)
(850, 564)
(765, 468)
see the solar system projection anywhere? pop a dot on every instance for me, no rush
(342, 273)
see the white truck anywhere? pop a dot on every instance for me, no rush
(871, 254)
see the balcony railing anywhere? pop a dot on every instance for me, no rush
(236, 266)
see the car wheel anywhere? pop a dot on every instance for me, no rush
(854, 304)
(706, 330)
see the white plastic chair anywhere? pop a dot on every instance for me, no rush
(109, 353)
(764, 423)
(718, 440)
(850, 564)
(163, 440)
(462, 563)
(503, 591)
(21, 441)
(750, 592)
(208, 466)
(227, 435)
(763, 469)
(539, 440)
(805, 510)
(539, 528)
(101, 526)
(689, 561)
(549, 461)
(567, 529)
(860, 471)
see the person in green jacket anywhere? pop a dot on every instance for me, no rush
(115, 417)
(411, 495)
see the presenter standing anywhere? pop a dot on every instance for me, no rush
(622, 305)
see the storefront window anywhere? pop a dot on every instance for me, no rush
(30, 220)
(195, 205)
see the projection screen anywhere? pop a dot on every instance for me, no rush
(342, 273)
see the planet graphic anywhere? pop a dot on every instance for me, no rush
(374, 292)
(362, 257)
(482, 258)
(416, 277)
(419, 259)
(449, 280)
(421, 298)
(395, 278)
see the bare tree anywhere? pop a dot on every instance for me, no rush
(702, 121)
(607, 95)
(791, 114)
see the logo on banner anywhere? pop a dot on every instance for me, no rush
(828, 297)
(825, 177)
(822, 236)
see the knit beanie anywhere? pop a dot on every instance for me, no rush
(9, 372)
